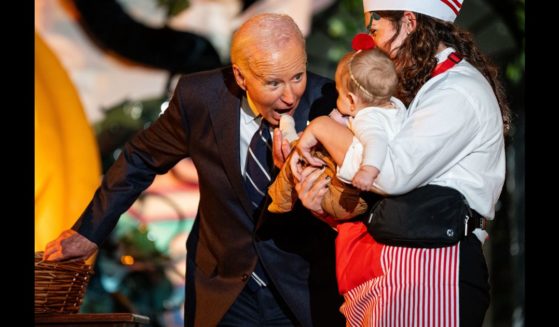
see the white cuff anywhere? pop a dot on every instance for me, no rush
(351, 163)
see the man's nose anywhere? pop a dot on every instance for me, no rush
(288, 97)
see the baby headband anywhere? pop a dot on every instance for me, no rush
(360, 42)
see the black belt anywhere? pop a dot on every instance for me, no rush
(476, 221)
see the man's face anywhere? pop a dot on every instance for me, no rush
(275, 82)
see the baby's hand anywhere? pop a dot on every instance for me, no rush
(337, 116)
(307, 141)
(365, 177)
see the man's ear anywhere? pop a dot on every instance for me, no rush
(239, 77)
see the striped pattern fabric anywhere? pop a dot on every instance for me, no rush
(259, 165)
(454, 5)
(419, 287)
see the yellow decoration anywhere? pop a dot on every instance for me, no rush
(67, 165)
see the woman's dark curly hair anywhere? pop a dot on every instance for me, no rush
(415, 58)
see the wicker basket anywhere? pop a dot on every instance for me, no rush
(60, 286)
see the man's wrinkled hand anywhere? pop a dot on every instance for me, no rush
(69, 245)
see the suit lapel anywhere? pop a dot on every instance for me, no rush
(225, 116)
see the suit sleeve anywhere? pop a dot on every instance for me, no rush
(153, 151)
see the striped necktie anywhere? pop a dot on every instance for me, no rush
(259, 164)
(258, 176)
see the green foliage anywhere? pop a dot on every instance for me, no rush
(331, 36)
(515, 69)
(173, 7)
(134, 115)
(121, 122)
(343, 26)
(139, 244)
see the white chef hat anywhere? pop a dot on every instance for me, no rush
(446, 10)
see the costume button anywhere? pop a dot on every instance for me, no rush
(244, 278)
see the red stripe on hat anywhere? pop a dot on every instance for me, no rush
(451, 6)
(457, 3)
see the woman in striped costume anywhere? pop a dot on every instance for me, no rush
(453, 136)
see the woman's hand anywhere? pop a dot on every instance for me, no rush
(69, 245)
(311, 188)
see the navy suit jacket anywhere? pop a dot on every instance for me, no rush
(296, 249)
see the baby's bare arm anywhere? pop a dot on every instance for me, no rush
(335, 137)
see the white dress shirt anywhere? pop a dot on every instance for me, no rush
(250, 122)
(452, 136)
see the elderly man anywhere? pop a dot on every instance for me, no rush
(246, 266)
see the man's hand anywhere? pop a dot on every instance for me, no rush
(69, 245)
(281, 148)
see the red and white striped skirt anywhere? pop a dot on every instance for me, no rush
(412, 287)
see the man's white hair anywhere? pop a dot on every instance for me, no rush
(264, 33)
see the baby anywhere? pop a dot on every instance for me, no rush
(366, 81)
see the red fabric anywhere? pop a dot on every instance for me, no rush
(419, 287)
(357, 256)
(442, 67)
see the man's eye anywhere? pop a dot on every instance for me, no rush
(298, 77)
(273, 83)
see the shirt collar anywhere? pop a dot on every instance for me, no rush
(441, 56)
(248, 115)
